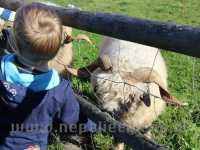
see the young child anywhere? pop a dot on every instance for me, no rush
(31, 94)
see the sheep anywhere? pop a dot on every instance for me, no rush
(138, 102)
(130, 82)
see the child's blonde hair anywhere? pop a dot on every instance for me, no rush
(38, 32)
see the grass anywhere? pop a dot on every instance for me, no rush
(177, 128)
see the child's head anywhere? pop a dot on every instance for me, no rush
(38, 33)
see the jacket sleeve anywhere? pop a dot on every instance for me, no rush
(70, 110)
(71, 113)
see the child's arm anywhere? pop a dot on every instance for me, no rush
(70, 110)
(72, 114)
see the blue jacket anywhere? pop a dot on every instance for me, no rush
(27, 111)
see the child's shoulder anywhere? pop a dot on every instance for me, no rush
(63, 90)
(64, 83)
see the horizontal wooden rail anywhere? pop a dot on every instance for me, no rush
(176, 38)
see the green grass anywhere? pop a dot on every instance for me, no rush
(178, 128)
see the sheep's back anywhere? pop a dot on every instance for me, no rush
(127, 56)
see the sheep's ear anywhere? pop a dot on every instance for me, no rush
(168, 98)
(147, 75)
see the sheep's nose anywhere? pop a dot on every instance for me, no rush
(146, 99)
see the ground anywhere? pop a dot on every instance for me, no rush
(177, 128)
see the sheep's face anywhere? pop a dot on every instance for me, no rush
(116, 96)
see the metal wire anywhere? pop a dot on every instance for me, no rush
(149, 78)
